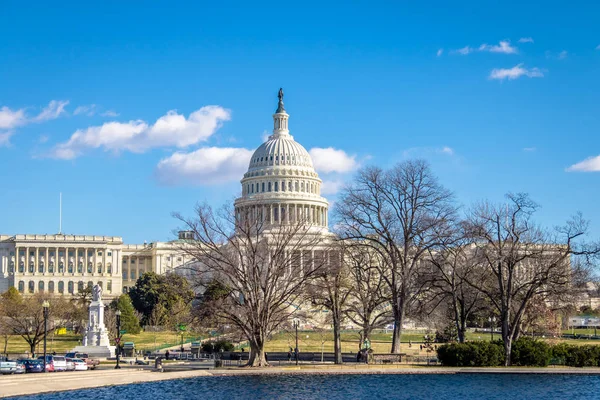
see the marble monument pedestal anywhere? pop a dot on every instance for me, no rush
(95, 340)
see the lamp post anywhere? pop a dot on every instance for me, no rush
(296, 351)
(118, 314)
(46, 307)
(492, 324)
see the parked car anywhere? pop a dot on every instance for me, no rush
(20, 367)
(79, 364)
(33, 365)
(7, 366)
(91, 363)
(70, 365)
(58, 363)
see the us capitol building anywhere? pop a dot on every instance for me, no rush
(281, 186)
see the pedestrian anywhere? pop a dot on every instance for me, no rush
(409, 344)
(289, 356)
(421, 347)
(167, 354)
(243, 350)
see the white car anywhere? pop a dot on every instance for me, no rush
(58, 363)
(80, 365)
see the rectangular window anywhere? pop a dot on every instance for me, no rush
(168, 258)
(141, 261)
(109, 253)
(32, 253)
(124, 261)
(178, 258)
(109, 286)
(52, 254)
(132, 261)
(132, 275)
(61, 253)
(99, 253)
(90, 253)
(12, 253)
(124, 273)
(70, 254)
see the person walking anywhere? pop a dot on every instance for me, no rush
(167, 355)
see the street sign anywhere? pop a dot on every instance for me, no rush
(122, 331)
(117, 340)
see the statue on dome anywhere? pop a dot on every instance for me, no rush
(280, 94)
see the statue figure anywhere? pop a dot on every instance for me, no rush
(97, 293)
(280, 94)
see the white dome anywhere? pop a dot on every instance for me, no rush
(280, 151)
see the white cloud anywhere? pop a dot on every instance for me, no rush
(265, 136)
(205, 166)
(54, 110)
(43, 139)
(526, 40)
(11, 119)
(172, 129)
(503, 47)
(464, 51)
(331, 160)
(562, 55)
(88, 110)
(440, 52)
(590, 164)
(515, 72)
(529, 149)
(331, 187)
(447, 150)
(110, 113)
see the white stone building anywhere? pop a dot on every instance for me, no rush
(280, 186)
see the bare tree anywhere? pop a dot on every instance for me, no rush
(451, 267)
(401, 213)
(369, 302)
(264, 268)
(330, 288)
(526, 262)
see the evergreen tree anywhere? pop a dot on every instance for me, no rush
(129, 321)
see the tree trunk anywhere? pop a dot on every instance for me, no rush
(32, 347)
(258, 356)
(337, 342)
(398, 319)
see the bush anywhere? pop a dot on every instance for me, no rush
(217, 347)
(582, 356)
(472, 354)
(530, 352)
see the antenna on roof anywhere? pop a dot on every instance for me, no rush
(60, 213)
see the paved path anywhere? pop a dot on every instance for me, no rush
(27, 384)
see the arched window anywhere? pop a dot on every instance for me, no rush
(277, 186)
(296, 189)
(269, 186)
(31, 268)
(40, 286)
(51, 286)
(51, 267)
(253, 188)
(71, 287)
(90, 268)
(302, 186)
(41, 267)
(21, 286)
(276, 213)
(70, 268)
(61, 287)
(31, 286)
(283, 186)
(61, 268)
(99, 268)
(80, 268)
(80, 286)
(263, 186)
(109, 268)
(21, 267)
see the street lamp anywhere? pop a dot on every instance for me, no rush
(118, 314)
(492, 324)
(296, 322)
(46, 307)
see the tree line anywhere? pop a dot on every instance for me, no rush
(401, 247)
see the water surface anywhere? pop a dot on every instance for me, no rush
(333, 387)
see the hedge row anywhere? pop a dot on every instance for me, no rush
(525, 352)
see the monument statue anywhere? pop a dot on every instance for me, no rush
(95, 338)
(280, 94)
(280, 107)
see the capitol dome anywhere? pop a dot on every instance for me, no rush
(281, 185)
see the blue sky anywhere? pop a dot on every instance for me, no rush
(167, 100)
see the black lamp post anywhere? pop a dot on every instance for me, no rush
(296, 351)
(46, 307)
(118, 314)
(492, 323)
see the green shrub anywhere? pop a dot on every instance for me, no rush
(583, 356)
(530, 352)
(471, 354)
(217, 347)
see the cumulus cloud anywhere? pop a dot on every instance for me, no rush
(88, 110)
(447, 150)
(590, 164)
(10, 119)
(205, 166)
(503, 47)
(515, 72)
(331, 186)
(331, 160)
(526, 40)
(440, 52)
(172, 129)
(54, 110)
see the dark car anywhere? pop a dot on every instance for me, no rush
(33, 365)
